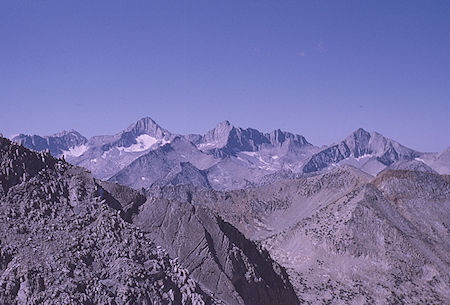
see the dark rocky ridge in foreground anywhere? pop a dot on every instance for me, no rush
(63, 241)
(67, 238)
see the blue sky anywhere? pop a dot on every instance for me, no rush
(318, 68)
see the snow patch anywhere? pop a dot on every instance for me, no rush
(206, 145)
(75, 151)
(275, 157)
(364, 157)
(144, 142)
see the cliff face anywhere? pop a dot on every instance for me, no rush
(216, 254)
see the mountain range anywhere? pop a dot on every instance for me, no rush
(226, 157)
(235, 216)
(68, 238)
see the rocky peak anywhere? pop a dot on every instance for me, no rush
(18, 164)
(219, 135)
(230, 140)
(147, 126)
(278, 137)
(358, 142)
(67, 132)
(57, 143)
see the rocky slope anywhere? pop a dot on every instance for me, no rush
(222, 260)
(162, 164)
(216, 254)
(345, 237)
(261, 211)
(68, 238)
(63, 240)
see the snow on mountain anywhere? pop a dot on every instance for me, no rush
(363, 150)
(107, 155)
(75, 151)
(227, 156)
(297, 220)
(236, 157)
(143, 142)
(58, 144)
(159, 164)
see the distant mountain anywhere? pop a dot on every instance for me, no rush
(412, 165)
(371, 152)
(226, 157)
(225, 139)
(185, 173)
(440, 162)
(162, 163)
(70, 143)
(107, 155)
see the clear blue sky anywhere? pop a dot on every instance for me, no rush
(317, 68)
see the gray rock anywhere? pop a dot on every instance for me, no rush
(66, 240)
(344, 236)
(361, 145)
(56, 144)
(217, 255)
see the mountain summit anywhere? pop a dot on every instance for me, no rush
(226, 157)
(231, 140)
(360, 144)
(147, 126)
(58, 144)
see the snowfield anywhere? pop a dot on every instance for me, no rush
(76, 151)
(144, 142)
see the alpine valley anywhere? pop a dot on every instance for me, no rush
(234, 216)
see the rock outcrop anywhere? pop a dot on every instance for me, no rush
(65, 240)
